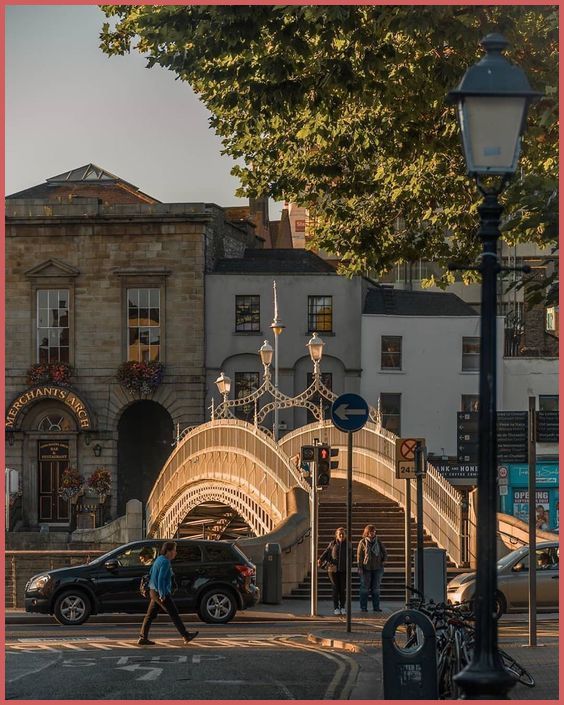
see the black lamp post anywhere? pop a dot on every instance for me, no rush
(492, 100)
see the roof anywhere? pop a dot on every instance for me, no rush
(86, 181)
(398, 302)
(275, 261)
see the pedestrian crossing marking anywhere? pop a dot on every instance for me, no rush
(106, 644)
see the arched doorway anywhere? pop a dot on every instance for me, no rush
(145, 432)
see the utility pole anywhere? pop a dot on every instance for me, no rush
(419, 480)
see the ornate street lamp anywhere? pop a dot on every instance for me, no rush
(315, 346)
(266, 353)
(224, 385)
(492, 100)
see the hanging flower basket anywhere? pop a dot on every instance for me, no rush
(71, 484)
(141, 377)
(58, 372)
(100, 481)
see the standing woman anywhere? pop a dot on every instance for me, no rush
(335, 556)
(370, 555)
(160, 589)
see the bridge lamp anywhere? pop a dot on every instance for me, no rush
(492, 100)
(224, 385)
(266, 353)
(315, 346)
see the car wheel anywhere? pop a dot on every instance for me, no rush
(72, 607)
(217, 606)
(500, 605)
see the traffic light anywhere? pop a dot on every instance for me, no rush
(308, 454)
(323, 465)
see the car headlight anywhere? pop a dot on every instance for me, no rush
(38, 582)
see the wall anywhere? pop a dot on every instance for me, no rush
(431, 380)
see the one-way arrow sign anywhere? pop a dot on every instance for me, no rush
(349, 412)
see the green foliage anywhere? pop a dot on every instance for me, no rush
(341, 109)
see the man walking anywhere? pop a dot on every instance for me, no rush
(160, 589)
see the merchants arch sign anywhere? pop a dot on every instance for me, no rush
(20, 405)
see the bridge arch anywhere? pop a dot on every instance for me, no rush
(232, 459)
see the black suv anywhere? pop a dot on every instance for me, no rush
(213, 578)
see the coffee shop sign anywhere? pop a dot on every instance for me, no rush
(71, 399)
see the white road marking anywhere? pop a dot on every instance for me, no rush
(152, 675)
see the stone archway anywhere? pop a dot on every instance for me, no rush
(145, 434)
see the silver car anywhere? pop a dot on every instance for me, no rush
(513, 580)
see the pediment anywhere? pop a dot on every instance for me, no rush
(52, 268)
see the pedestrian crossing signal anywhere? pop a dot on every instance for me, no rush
(323, 465)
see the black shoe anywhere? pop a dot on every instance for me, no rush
(145, 642)
(363, 610)
(377, 610)
(190, 637)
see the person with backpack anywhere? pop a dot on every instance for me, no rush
(371, 555)
(160, 594)
(334, 557)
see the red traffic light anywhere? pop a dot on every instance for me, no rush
(324, 453)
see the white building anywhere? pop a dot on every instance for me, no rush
(420, 362)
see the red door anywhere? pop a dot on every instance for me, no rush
(53, 460)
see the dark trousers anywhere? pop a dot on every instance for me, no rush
(339, 584)
(370, 581)
(153, 610)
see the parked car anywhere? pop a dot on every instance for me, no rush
(213, 578)
(513, 580)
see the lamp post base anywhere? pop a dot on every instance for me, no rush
(485, 680)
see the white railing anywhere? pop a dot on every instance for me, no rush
(228, 451)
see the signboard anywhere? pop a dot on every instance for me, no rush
(503, 490)
(547, 427)
(405, 457)
(512, 434)
(62, 394)
(349, 412)
(457, 471)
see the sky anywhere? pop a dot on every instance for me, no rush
(68, 104)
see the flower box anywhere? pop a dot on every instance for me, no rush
(57, 372)
(141, 377)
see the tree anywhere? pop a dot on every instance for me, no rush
(341, 109)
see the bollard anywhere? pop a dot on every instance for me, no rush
(409, 673)
(272, 574)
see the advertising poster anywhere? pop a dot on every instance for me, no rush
(521, 507)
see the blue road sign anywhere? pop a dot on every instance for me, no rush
(349, 412)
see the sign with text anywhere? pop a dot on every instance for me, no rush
(512, 433)
(405, 457)
(547, 427)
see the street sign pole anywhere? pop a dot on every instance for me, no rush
(407, 539)
(532, 524)
(349, 527)
(349, 413)
(419, 480)
(314, 537)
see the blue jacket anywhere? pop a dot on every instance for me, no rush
(160, 578)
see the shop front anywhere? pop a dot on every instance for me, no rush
(516, 501)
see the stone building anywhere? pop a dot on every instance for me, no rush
(99, 274)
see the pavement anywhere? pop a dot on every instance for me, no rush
(363, 642)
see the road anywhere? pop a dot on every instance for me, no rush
(250, 661)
